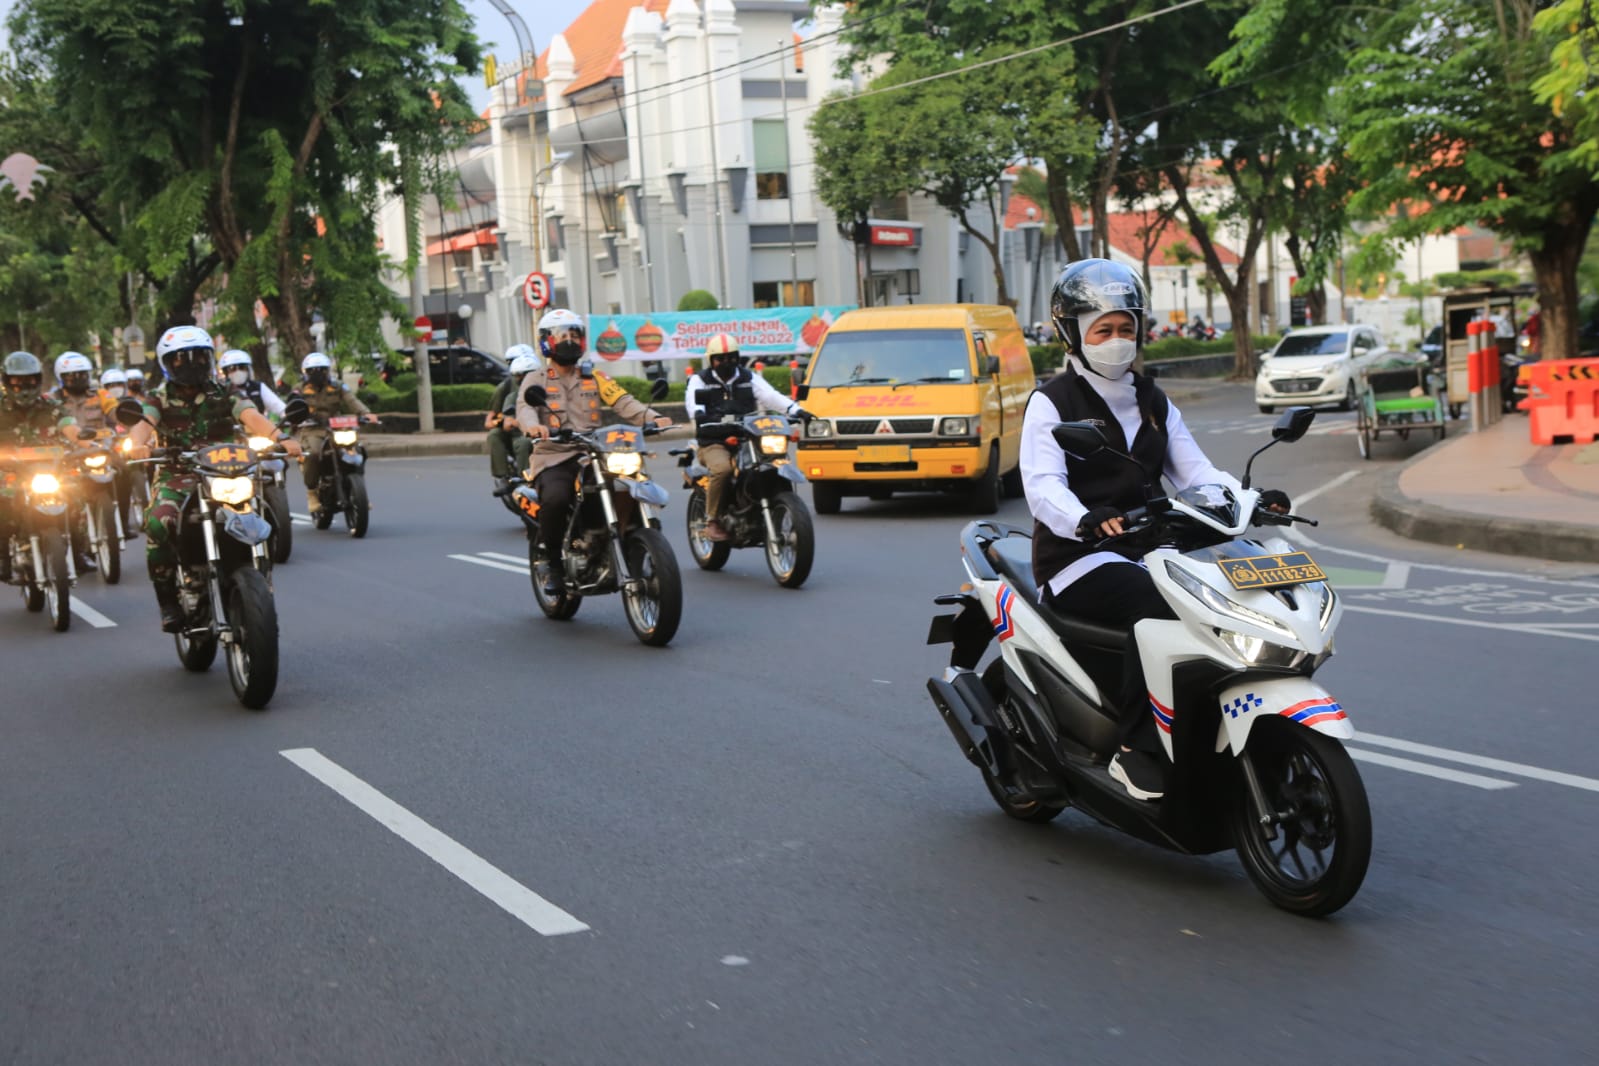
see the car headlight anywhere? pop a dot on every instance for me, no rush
(262, 444)
(774, 444)
(1330, 368)
(624, 464)
(94, 462)
(44, 485)
(819, 427)
(1224, 604)
(230, 490)
(955, 427)
(344, 437)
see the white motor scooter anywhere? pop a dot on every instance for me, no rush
(1254, 741)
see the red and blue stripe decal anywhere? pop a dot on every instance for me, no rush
(1311, 712)
(1163, 714)
(1004, 626)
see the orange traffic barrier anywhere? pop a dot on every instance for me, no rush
(1563, 400)
(793, 379)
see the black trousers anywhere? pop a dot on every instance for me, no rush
(1120, 594)
(557, 489)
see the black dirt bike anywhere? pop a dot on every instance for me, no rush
(613, 542)
(41, 565)
(271, 489)
(342, 487)
(761, 508)
(94, 496)
(223, 564)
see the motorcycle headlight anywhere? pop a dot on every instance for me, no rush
(94, 462)
(774, 444)
(262, 445)
(818, 427)
(1224, 604)
(955, 427)
(344, 437)
(1258, 652)
(623, 464)
(230, 490)
(1328, 599)
(44, 485)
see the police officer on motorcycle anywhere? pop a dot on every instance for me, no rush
(1100, 312)
(571, 400)
(28, 417)
(506, 441)
(236, 368)
(726, 387)
(90, 410)
(326, 398)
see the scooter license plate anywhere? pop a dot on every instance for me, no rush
(886, 453)
(1271, 571)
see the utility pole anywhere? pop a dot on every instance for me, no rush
(419, 353)
(716, 167)
(788, 176)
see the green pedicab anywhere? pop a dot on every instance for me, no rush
(1396, 397)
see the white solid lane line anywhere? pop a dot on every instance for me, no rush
(89, 614)
(1531, 630)
(1347, 475)
(1503, 766)
(490, 563)
(504, 891)
(1428, 769)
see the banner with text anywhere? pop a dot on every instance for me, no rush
(774, 333)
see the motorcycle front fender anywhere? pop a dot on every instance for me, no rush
(352, 458)
(1298, 699)
(792, 473)
(246, 527)
(645, 492)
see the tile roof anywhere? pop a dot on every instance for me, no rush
(1124, 227)
(595, 38)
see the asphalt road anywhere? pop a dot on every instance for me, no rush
(760, 845)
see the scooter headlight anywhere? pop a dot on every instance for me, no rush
(344, 437)
(623, 464)
(94, 462)
(1329, 599)
(44, 485)
(1223, 604)
(1258, 652)
(262, 445)
(230, 490)
(774, 444)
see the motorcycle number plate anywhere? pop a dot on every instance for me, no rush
(344, 422)
(229, 460)
(886, 453)
(1271, 571)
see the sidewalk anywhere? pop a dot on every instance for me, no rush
(1496, 491)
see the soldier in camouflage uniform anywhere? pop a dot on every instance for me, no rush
(326, 398)
(191, 409)
(27, 417)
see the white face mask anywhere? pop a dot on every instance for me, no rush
(116, 392)
(1111, 359)
(238, 377)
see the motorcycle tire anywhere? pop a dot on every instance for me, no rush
(655, 611)
(356, 509)
(790, 562)
(108, 552)
(1008, 794)
(708, 554)
(252, 654)
(1310, 775)
(33, 598)
(561, 607)
(322, 519)
(58, 586)
(281, 546)
(196, 653)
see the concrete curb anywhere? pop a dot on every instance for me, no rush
(1559, 541)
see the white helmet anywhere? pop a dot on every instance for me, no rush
(135, 374)
(233, 357)
(524, 360)
(72, 363)
(315, 361)
(111, 377)
(185, 354)
(562, 336)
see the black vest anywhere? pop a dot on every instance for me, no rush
(736, 397)
(252, 392)
(1102, 480)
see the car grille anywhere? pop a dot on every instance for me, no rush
(864, 427)
(1298, 385)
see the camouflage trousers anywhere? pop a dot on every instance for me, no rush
(167, 495)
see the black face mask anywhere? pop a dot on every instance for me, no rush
(567, 353)
(725, 368)
(317, 377)
(77, 383)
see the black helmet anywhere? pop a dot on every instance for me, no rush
(1092, 287)
(24, 377)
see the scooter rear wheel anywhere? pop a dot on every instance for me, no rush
(1008, 793)
(1318, 860)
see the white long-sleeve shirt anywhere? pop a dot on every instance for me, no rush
(766, 397)
(1043, 466)
(272, 402)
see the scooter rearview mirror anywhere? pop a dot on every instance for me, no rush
(659, 389)
(1292, 424)
(130, 412)
(535, 395)
(1079, 439)
(296, 409)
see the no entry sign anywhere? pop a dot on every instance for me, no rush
(536, 290)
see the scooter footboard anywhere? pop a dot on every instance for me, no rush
(1296, 698)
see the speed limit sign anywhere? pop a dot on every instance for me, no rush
(536, 290)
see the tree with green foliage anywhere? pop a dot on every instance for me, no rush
(259, 138)
(697, 300)
(1455, 106)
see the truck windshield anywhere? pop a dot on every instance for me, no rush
(892, 357)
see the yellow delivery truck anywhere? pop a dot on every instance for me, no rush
(917, 398)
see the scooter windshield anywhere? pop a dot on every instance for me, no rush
(1217, 501)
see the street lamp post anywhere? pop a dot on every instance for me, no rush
(464, 313)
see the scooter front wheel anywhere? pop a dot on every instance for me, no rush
(1315, 861)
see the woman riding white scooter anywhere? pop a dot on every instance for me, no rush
(1099, 309)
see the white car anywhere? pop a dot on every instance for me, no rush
(1316, 366)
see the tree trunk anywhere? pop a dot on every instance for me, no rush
(1243, 341)
(1060, 206)
(1555, 268)
(292, 326)
(1235, 289)
(1001, 291)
